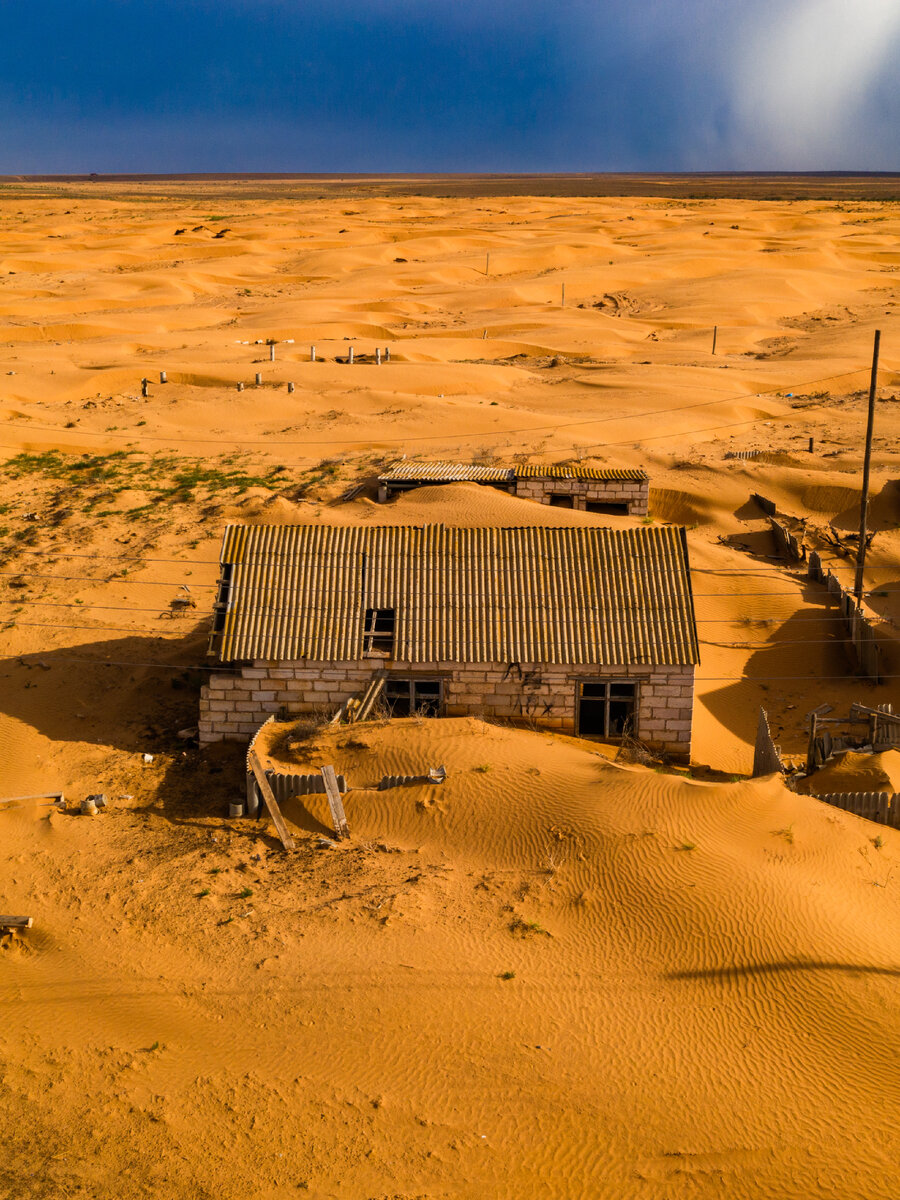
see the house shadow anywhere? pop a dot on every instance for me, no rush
(883, 513)
(134, 695)
(782, 656)
(130, 693)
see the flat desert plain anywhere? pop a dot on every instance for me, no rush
(557, 974)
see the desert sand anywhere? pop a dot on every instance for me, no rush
(555, 975)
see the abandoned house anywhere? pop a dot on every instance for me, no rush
(588, 631)
(589, 489)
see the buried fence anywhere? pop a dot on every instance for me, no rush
(860, 630)
(881, 807)
(766, 755)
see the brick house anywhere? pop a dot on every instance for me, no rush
(589, 489)
(588, 631)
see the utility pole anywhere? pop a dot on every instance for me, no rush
(867, 463)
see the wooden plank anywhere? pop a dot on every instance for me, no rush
(374, 690)
(16, 922)
(39, 796)
(268, 796)
(339, 819)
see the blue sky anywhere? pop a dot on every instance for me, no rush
(448, 85)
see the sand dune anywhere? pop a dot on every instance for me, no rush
(556, 975)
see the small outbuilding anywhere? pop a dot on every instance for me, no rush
(590, 631)
(624, 490)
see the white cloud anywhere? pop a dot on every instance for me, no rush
(802, 79)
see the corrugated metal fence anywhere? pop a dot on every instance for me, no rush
(766, 758)
(881, 807)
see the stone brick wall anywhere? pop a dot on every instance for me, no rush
(634, 493)
(234, 705)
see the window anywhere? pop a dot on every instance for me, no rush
(409, 697)
(606, 709)
(378, 631)
(559, 500)
(610, 508)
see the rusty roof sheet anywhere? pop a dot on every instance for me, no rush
(531, 595)
(443, 472)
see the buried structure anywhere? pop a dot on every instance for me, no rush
(586, 631)
(621, 490)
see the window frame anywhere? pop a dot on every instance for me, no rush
(379, 642)
(607, 683)
(411, 681)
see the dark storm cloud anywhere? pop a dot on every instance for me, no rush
(305, 85)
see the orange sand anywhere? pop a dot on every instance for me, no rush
(697, 1023)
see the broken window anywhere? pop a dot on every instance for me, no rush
(413, 697)
(606, 709)
(378, 631)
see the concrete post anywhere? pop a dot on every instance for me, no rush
(312, 354)
(162, 377)
(240, 387)
(290, 388)
(272, 353)
(258, 379)
(145, 383)
(387, 354)
(378, 357)
(350, 358)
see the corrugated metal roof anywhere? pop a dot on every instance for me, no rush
(442, 472)
(532, 595)
(574, 471)
(445, 472)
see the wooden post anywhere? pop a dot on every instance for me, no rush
(867, 464)
(563, 301)
(269, 797)
(145, 384)
(387, 354)
(272, 352)
(378, 357)
(332, 791)
(484, 335)
(811, 748)
(162, 377)
(715, 335)
(258, 379)
(487, 263)
(812, 442)
(312, 354)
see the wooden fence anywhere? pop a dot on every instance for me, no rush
(881, 807)
(860, 630)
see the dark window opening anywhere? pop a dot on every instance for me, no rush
(378, 631)
(413, 697)
(601, 506)
(223, 599)
(606, 710)
(557, 500)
